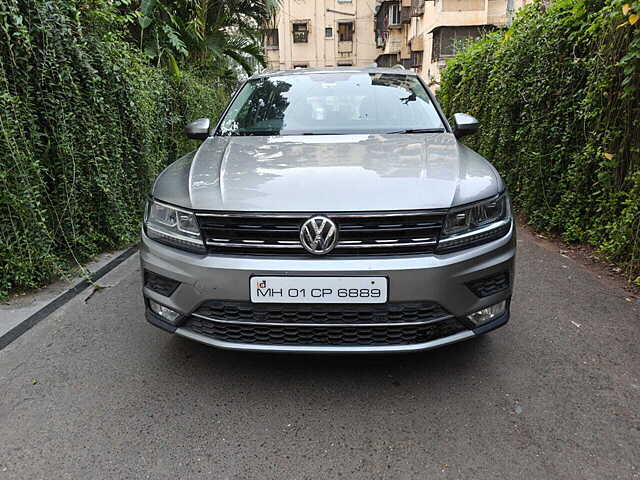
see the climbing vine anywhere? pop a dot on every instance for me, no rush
(85, 125)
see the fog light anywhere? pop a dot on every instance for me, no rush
(488, 313)
(164, 312)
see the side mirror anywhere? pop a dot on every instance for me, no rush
(198, 130)
(464, 124)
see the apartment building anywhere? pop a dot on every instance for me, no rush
(421, 35)
(321, 33)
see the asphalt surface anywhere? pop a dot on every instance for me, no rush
(93, 391)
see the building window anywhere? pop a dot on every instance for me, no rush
(447, 40)
(300, 32)
(328, 32)
(394, 14)
(300, 65)
(345, 64)
(405, 15)
(416, 59)
(345, 32)
(272, 38)
(387, 60)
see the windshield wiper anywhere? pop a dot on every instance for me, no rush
(420, 130)
(324, 133)
(252, 133)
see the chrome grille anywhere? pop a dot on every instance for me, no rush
(358, 233)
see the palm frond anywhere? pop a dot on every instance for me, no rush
(205, 33)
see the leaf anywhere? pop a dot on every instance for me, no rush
(625, 9)
(175, 40)
(622, 24)
(144, 22)
(147, 7)
(608, 156)
(173, 65)
(633, 18)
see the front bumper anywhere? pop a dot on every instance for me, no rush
(441, 279)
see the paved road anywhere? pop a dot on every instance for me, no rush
(95, 392)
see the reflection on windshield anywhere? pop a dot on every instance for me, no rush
(331, 103)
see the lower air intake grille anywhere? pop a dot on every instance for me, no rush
(162, 285)
(323, 336)
(322, 314)
(490, 285)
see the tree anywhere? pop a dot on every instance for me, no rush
(204, 32)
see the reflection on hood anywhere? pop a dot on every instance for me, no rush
(329, 173)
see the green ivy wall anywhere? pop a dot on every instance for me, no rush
(85, 125)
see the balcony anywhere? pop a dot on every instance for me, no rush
(405, 15)
(417, 8)
(417, 43)
(345, 47)
(463, 5)
(394, 44)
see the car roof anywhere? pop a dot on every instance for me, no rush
(309, 71)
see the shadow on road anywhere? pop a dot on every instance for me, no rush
(262, 368)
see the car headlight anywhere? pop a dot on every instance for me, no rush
(475, 224)
(173, 226)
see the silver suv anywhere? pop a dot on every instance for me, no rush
(329, 211)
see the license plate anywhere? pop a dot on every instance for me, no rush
(318, 289)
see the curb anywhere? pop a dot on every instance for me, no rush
(62, 299)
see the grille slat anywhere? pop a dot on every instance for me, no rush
(380, 245)
(358, 233)
(387, 230)
(253, 234)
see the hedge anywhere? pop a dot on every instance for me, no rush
(85, 125)
(558, 98)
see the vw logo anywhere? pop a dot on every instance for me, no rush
(318, 235)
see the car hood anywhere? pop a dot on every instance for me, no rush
(328, 173)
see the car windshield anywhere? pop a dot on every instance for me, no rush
(331, 104)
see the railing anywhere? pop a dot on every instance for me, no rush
(345, 47)
(300, 36)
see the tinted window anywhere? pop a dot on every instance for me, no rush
(330, 103)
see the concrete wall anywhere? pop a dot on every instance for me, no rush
(441, 13)
(321, 51)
